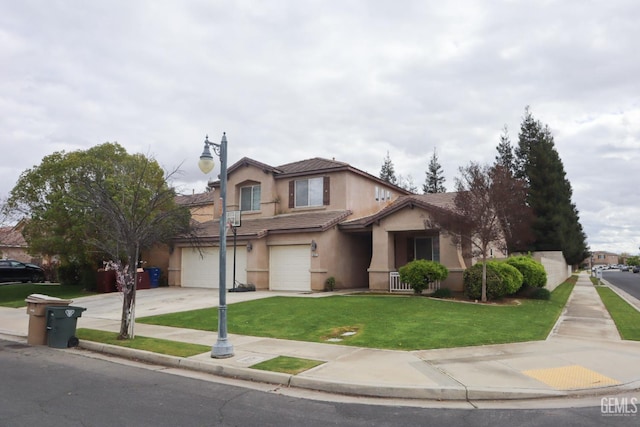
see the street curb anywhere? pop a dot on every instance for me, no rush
(255, 375)
(368, 390)
(460, 394)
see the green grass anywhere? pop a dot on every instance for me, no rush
(626, 318)
(155, 345)
(14, 295)
(287, 365)
(389, 322)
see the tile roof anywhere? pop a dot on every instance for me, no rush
(286, 223)
(426, 201)
(246, 161)
(196, 199)
(311, 165)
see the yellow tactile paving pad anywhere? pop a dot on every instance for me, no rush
(570, 377)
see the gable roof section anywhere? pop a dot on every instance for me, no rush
(440, 201)
(281, 224)
(246, 161)
(11, 237)
(314, 166)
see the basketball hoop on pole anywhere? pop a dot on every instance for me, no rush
(234, 220)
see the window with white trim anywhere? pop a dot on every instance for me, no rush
(250, 198)
(309, 192)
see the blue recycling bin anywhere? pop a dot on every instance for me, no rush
(154, 276)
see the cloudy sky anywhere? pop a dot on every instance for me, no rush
(350, 80)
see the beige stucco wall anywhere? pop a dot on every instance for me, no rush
(348, 191)
(347, 264)
(251, 175)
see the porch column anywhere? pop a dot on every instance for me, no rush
(382, 259)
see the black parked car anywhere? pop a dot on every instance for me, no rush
(16, 271)
(636, 269)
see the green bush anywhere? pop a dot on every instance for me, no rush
(419, 273)
(541, 293)
(330, 284)
(442, 293)
(532, 271)
(77, 274)
(502, 279)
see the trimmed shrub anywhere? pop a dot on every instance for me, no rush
(502, 279)
(330, 284)
(84, 275)
(419, 273)
(532, 271)
(541, 293)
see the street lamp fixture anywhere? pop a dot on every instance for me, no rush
(222, 348)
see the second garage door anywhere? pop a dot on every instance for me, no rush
(202, 271)
(289, 268)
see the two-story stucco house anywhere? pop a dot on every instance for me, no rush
(306, 221)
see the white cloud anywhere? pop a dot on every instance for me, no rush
(354, 79)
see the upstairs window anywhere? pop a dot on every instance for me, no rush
(250, 198)
(382, 194)
(309, 192)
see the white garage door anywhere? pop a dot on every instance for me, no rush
(289, 268)
(202, 272)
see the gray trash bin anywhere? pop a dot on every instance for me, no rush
(61, 326)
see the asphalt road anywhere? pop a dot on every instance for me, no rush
(625, 280)
(44, 386)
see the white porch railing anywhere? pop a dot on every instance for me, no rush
(395, 285)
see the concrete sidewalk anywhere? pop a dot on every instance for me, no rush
(583, 354)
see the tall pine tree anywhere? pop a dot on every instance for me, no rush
(556, 225)
(505, 157)
(387, 172)
(434, 181)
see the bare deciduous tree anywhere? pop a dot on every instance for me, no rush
(481, 216)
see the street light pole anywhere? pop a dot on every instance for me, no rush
(222, 348)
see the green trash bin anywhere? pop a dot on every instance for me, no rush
(61, 326)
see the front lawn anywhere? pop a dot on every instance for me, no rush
(391, 322)
(14, 295)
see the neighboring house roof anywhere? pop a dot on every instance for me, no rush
(199, 199)
(426, 201)
(286, 223)
(11, 237)
(316, 165)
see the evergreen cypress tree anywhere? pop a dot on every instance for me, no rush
(505, 157)
(434, 181)
(556, 225)
(387, 172)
